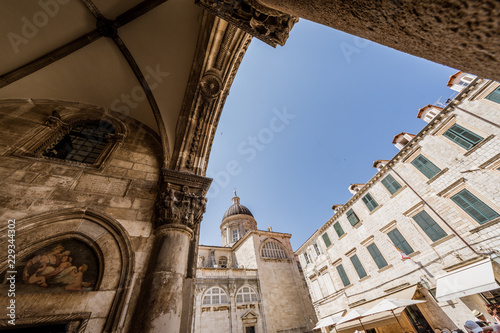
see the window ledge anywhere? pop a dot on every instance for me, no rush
(439, 174)
(486, 225)
(480, 144)
(348, 286)
(357, 225)
(398, 191)
(385, 268)
(442, 240)
(377, 208)
(365, 278)
(342, 236)
(414, 254)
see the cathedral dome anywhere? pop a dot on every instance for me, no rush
(236, 208)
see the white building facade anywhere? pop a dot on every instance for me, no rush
(251, 284)
(437, 202)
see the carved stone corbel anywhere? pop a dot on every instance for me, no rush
(267, 24)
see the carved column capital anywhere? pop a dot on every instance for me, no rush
(267, 24)
(182, 200)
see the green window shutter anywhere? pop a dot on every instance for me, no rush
(343, 276)
(425, 166)
(357, 265)
(370, 202)
(377, 256)
(338, 229)
(400, 241)
(326, 239)
(391, 184)
(495, 95)
(474, 207)
(462, 136)
(352, 217)
(429, 226)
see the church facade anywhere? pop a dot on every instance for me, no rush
(252, 283)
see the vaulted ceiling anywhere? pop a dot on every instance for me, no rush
(141, 58)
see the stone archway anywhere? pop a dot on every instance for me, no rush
(101, 305)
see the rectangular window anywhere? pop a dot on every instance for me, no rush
(357, 265)
(327, 281)
(425, 166)
(376, 255)
(474, 207)
(235, 235)
(316, 249)
(338, 229)
(429, 226)
(343, 275)
(312, 253)
(463, 137)
(316, 290)
(306, 258)
(391, 184)
(370, 202)
(495, 95)
(326, 239)
(400, 241)
(352, 217)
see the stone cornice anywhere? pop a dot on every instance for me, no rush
(409, 148)
(186, 179)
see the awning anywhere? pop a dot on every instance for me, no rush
(469, 280)
(330, 320)
(372, 321)
(327, 321)
(379, 319)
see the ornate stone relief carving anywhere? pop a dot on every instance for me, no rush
(211, 85)
(220, 54)
(267, 24)
(183, 207)
(46, 137)
(182, 199)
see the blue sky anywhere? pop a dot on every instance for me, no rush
(304, 121)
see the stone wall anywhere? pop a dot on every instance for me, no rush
(284, 296)
(116, 199)
(459, 34)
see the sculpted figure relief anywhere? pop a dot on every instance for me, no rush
(58, 268)
(183, 207)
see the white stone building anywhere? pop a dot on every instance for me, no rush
(252, 284)
(437, 201)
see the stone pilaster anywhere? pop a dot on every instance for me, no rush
(166, 304)
(232, 299)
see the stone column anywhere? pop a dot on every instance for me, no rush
(163, 307)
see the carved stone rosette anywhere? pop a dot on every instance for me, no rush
(182, 200)
(267, 24)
